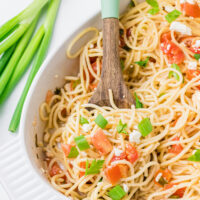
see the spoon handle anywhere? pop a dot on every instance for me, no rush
(110, 9)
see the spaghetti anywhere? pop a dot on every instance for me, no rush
(150, 151)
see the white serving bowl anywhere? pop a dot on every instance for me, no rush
(50, 76)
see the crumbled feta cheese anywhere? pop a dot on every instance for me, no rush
(86, 127)
(187, 1)
(131, 66)
(117, 151)
(125, 186)
(192, 65)
(158, 177)
(181, 28)
(168, 47)
(197, 44)
(135, 137)
(169, 8)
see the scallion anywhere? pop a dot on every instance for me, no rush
(83, 120)
(94, 168)
(138, 103)
(122, 64)
(195, 157)
(73, 153)
(116, 193)
(145, 127)
(101, 121)
(171, 16)
(142, 63)
(81, 142)
(174, 74)
(197, 56)
(121, 127)
(155, 7)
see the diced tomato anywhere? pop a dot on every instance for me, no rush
(172, 51)
(49, 95)
(113, 174)
(92, 86)
(121, 157)
(94, 67)
(180, 192)
(131, 153)
(123, 170)
(93, 59)
(175, 148)
(64, 112)
(192, 10)
(101, 142)
(191, 73)
(82, 165)
(55, 169)
(128, 32)
(165, 178)
(66, 149)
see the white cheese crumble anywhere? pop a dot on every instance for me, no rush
(169, 8)
(135, 137)
(91, 46)
(168, 47)
(197, 44)
(181, 28)
(125, 187)
(187, 1)
(117, 151)
(86, 127)
(158, 177)
(192, 65)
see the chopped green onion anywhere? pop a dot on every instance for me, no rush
(73, 153)
(83, 120)
(161, 94)
(153, 3)
(195, 157)
(122, 64)
(143, 63)
(121, 127)
(174, 197)
(48, 25)
(171, 16)
(145, 127)
(138, 103)
(94, 167)
(101, 121)
(81, 142)
(197, 56)
(153, 11)
(75, 83)
(174, 74)
(116, 193)
(131, 4)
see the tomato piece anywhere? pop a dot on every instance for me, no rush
(121, 157)
(49, 95)
(55, 169)
(113, 174)
(128, 32)
(192, 73)
(66, 149)
(175, 148)
(164, 179)
(180, 192)
(131, 153)
(189, 9)
(101, 142)
(172, 51)
(82, 165)
(123, 170)
(93, 86)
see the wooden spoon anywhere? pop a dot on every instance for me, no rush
(111, 76)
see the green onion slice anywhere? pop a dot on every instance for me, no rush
(121, 127)
(122, 64)
(116, 193)
(82, 143)
(153, 11)
(94, 168)
(138, 103)
(153, 3)
(171, 16)
(131, 4)
(75, 83)
(73, 153)
(195, 157)
(101, 121)
(145, 127)
(174, 74)
(143, 63)
(83, 120)
(197, 56)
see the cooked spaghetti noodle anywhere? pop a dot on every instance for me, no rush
(161, 71)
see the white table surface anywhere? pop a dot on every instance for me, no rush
(71, 15)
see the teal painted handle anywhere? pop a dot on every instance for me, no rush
(110, 8)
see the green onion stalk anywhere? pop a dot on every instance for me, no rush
(47, 27)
